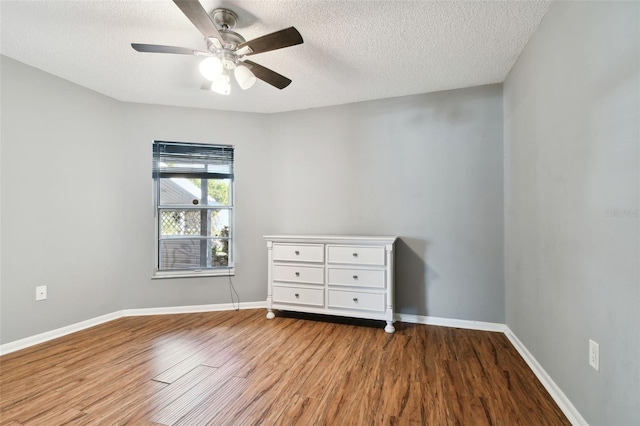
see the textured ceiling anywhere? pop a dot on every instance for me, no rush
(353, 50)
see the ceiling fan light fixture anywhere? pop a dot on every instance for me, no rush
(211, 68)
(221, 84)
(226, 49)
(244, 77)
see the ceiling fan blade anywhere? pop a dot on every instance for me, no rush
(278, 40)
(268, 76)
(157, 48)
(199, 17)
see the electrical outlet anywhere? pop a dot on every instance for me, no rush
(41, 292)
(594, 355)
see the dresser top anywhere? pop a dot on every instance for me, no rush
(386, 239)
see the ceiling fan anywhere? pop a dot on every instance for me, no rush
(227, 50)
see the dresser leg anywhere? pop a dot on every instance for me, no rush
(389, 328)
(270, 315)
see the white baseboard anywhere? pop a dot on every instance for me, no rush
(193, 309)
(556, 393)
(63, 331)
(573, 415)
(449, 322)
(16, 345)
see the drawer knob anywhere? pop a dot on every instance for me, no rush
(355, 254)
(355, 299)
(297, 252)
(297, 274)
(296, 295)
(355, 277)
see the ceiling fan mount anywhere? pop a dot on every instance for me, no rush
(224, 19)
(227, 50)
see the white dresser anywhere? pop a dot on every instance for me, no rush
(349, 276)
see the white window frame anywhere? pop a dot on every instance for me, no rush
(186, 273)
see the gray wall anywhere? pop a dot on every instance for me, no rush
(62, 207)
(82, 223)
(252, 217)
(571, 143)
(426, 168)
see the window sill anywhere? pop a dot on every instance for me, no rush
(225, 272)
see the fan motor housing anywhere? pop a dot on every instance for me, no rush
(231, 37)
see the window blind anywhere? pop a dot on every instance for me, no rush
(204, 161)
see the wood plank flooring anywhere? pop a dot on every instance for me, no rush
(238, 368)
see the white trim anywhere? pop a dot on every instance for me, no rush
(569, 410)
(58, 332)
(331, 239)
(450, 322)
(221, 272)
(193, 309)
(69, 329)
(573, 415)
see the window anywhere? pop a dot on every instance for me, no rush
(193, 186)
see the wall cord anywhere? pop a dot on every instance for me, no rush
(232, 290)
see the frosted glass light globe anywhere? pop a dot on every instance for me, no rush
(244, 77)
(221, 85)
(211, 68)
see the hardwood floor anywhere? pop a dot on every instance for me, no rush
(238, 368)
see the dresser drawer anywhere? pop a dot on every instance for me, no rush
(299, 274)
(356, 277)
(298, 295)
(356, 300)
(356, 255)
(298, 252)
